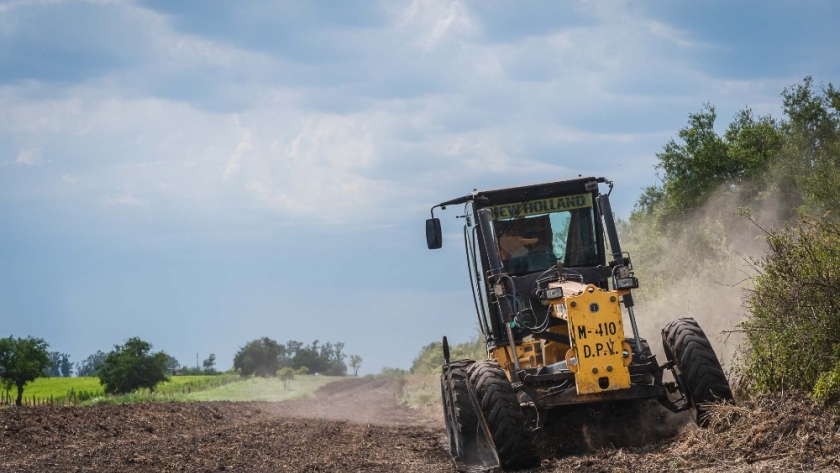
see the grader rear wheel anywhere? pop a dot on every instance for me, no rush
(458, 412)
(504, 416)
(702, 377)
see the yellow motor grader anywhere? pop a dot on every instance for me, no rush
(552, 291)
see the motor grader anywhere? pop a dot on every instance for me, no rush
(553, 292)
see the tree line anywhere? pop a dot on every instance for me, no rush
(133, 365)
(265, 357)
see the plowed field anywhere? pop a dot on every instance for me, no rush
(356, 425)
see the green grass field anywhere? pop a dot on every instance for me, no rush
(58, 387)
(260, 389)
(179, 388)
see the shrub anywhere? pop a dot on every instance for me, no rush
(792, 327)
(827, 388)
(286, 374)
(430, 358)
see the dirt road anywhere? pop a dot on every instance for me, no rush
(356, 425)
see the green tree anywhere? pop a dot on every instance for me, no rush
(65, 367)
(259, 357)
(22, 360)
(286, 374)
(132, 366)
(172, 364)
(60, 365)
(797, 157)
(355, 364)
(209, 364)
(90, 364)
(809, 164)
(702, 161)
(327, 359)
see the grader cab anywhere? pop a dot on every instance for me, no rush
(553, 293)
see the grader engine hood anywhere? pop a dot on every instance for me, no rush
(599, 355)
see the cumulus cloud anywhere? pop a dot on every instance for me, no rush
(404, 102)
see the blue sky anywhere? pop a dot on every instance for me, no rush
(200, 174)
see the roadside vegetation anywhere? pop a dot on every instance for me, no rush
(756, 205)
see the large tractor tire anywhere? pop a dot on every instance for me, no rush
(504, 416)
(458, 412)
(702, 379)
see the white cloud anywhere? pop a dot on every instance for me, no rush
(27, 157)
(129, 199)
(448, 110)
(245, 145)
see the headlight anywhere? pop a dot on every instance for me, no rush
(551, 293)
(627, 283)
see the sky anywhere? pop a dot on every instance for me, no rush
(201, 174)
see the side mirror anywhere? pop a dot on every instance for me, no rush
(434, 237)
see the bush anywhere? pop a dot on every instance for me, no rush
(390, 373)
(793, 328)
(430, 358)
(827, 388)
(286, 374)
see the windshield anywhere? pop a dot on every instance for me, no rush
(532, 236)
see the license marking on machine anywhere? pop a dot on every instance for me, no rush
(598, 339)
(602, 330)
(600, 349)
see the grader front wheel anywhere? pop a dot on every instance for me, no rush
(505, 418)
(701, 376)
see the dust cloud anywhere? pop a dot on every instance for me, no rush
(704, 272)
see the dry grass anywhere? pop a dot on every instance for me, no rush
(772, 433)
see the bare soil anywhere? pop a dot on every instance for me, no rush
(357, 425)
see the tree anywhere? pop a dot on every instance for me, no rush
(22, 360)
(286, 374)
(326, 359)
(66, 367)
(259, 357)
(172, 364)
(692, 168)
(797, 157)
(210, 364)
(60, 365)
(89, 366)
(132, 366)
(355, 364)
